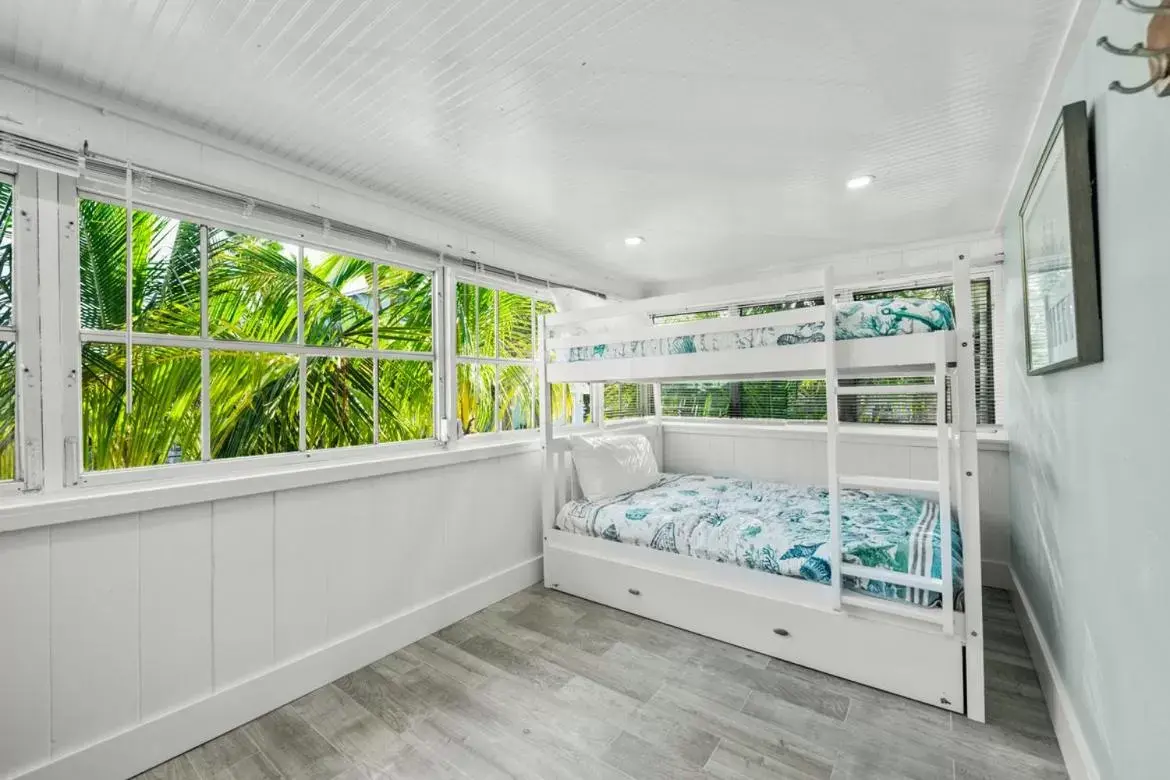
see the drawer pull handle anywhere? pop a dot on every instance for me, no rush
(780, 631)
(635, 592)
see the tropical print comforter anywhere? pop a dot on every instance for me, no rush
(855, 320)
(777, 528)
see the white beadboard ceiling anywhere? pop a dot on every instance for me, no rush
(721, 130)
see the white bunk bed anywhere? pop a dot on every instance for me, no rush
(933, 655)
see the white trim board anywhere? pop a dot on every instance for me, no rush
(133, 751)
(1078, 758)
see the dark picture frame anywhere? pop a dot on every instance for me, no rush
(1058, 246)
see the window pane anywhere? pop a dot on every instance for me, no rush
(5, 254)
(102, 255)
(166, 275)
(788, 305)
(404, 310)
(486, 313)
(690, 316)
(338, 300)
(7, 411)
(515, 326)
(570, 404)
(623, 401)
(696, 399)
(164, 426)
(339, 402)
(254, 404)
(406, 400)
(761, 400)
(477, 393)
(252, 288)
(516, 403)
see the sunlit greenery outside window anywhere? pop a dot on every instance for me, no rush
(294, 349)
(7, 336)
(496, 360)
(805, 399)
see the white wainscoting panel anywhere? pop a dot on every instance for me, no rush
(124, 640)
(24, 647)
(94, 612)
(243, 585)
(798, 456)
(175, 603)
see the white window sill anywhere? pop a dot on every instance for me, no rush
(147, 493)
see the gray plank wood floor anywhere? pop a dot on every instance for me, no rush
(544, 685)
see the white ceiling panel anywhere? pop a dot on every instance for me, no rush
(721, 130)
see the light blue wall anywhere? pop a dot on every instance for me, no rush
(1090, 465)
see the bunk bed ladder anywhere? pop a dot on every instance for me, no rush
(919, 585)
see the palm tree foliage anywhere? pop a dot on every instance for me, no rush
(252, 296)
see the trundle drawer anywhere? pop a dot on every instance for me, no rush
(918, 663)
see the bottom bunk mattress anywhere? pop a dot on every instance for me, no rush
(778, 529)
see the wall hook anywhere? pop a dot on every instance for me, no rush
(1155, 49)
(1144, 9)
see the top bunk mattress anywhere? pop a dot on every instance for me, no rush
(778, 529)
(855, 320)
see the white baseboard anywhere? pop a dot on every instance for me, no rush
(147, 744)
(998, 574)
(1078, 758)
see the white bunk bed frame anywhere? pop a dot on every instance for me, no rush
(931, 655)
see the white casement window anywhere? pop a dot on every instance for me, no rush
(495, 347)
(21, 456)
(201, 343)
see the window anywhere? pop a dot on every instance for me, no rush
(624, 401)
(805, 399)
(242, 345)
(7, 336)
(495, 347)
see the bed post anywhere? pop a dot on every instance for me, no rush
(548, 472)
(832, 412)
(964, 391)
(658, 422)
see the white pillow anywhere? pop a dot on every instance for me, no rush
(609, 465)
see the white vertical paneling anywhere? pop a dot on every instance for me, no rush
(24, 649)
(875, 460)
(243, 581)
(760, 458)
(175, 603)
(350, 560)
(95, 630)
(699, 454)
(302, 522)
(409, 533)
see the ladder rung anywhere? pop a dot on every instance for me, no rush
(899, 608)
(887, 389)
(894, 577)
(892, 484)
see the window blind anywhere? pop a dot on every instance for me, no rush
(624, 401)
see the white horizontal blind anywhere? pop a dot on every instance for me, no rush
(625, 401)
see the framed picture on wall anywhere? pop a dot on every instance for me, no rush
(1058, 231)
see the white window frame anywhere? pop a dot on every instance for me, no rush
(207, 467)
(24, 331)
(455, 276)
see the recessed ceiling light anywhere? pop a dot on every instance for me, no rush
(635, 241)
(859, 182)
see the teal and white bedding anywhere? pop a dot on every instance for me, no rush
(855, 320)
(778, 529)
